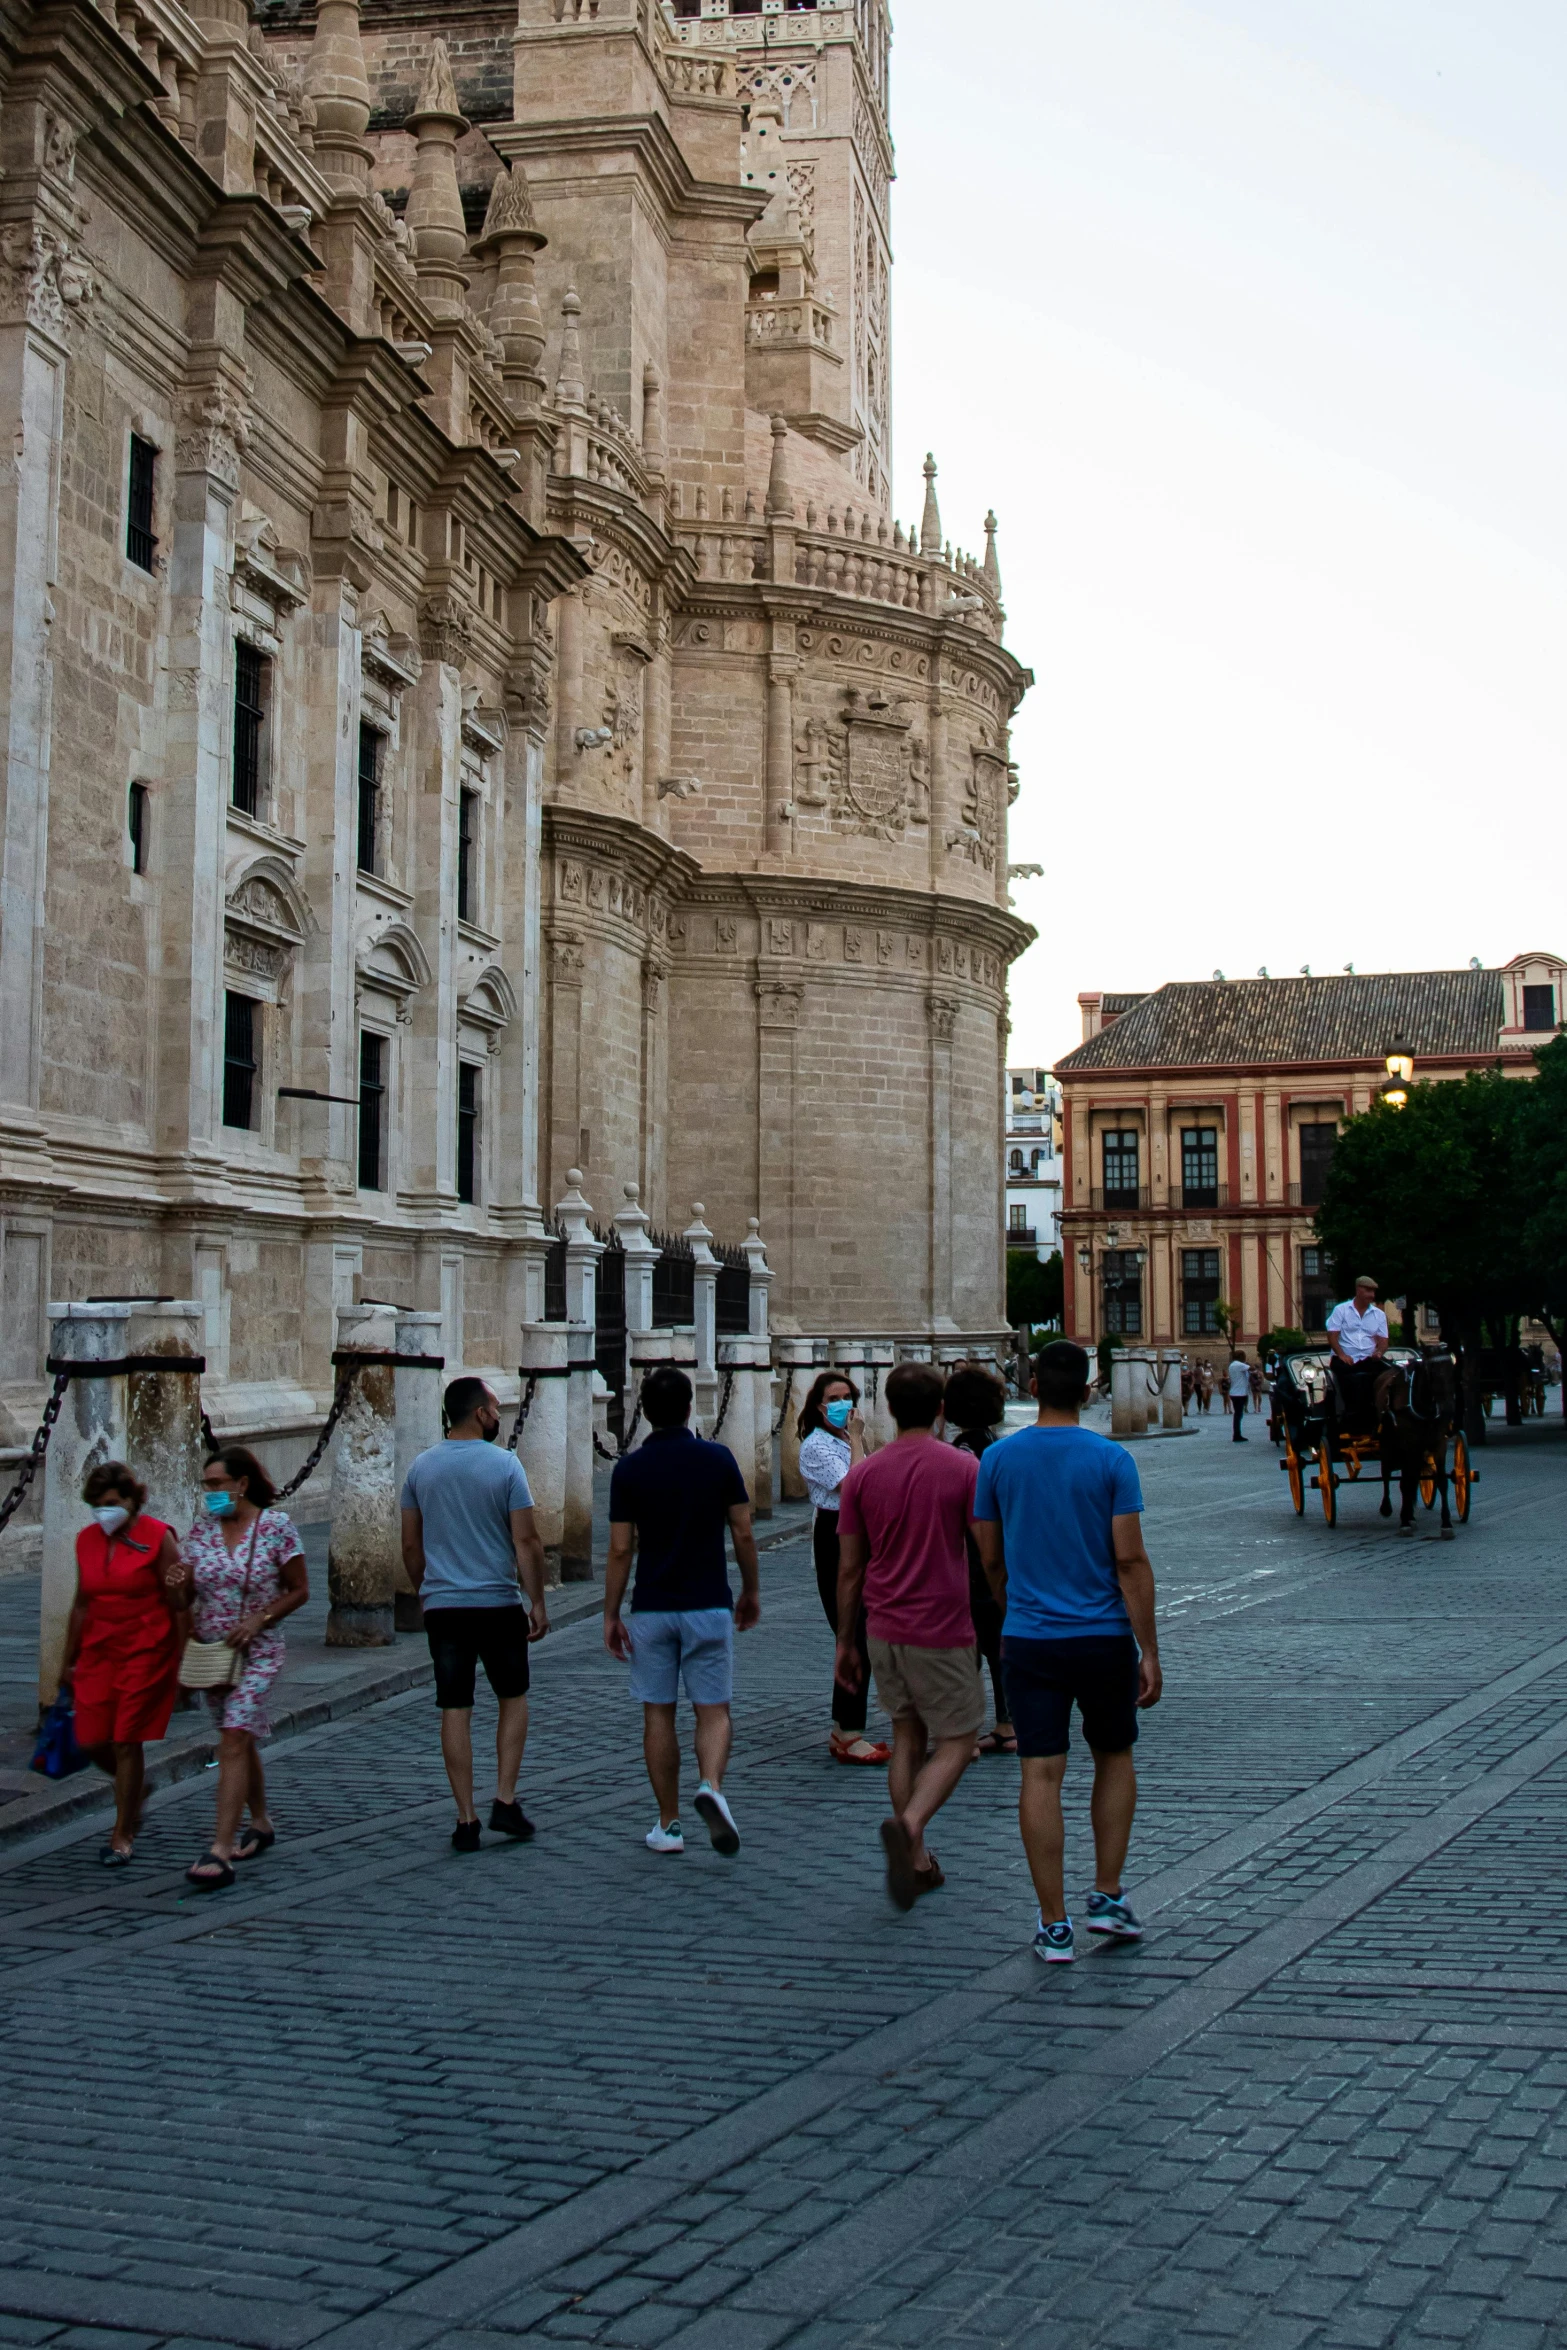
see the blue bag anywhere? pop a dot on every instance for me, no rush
(57, 1754)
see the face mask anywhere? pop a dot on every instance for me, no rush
(111, 1517)
(489, 1434)
(839, 1411)
(217, 1505)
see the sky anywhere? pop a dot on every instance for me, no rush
(1248, 319)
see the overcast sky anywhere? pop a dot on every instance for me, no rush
(1248, 318)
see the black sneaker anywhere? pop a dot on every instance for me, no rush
(509, 1819)
(465, 1836)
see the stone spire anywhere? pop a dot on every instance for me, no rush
(339, 90)
(930, 520)
(435, 214)
(780, 498)
(570, 390)
(512, 233)
(992, 567)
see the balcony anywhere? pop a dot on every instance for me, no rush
(1120, 1196)
(1308, 1194)
(1022, 1236)
(1190, 1196)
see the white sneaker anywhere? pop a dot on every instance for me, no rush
(718, 1819)
(661, 1839)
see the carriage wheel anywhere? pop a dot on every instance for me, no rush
(1327, 1486)
(1463, 1478)
(1428, 1482)
(1297, 1481)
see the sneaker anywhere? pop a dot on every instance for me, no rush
(1111, 1913)
(718, 1820)
(661, 1839)
(465, 1836)
(1054, 1943)
(509, 1819)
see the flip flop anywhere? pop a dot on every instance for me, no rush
(112, 1857)
(996, 1742)
(213, 1860)
(254, 1842)
(861, 1750)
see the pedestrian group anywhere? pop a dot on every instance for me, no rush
(948, 1553)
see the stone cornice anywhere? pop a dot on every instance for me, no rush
(649, 143)
(614, 840)
(918, 910)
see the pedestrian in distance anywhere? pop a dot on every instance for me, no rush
(832, 1439)
(1058, 1519)
(1188, 1387)
(1254, 1374)
(1238, 1382)
(123, 1641)
(672, 1500)
(472, 1551)
(902, 1517)
(1205, 1386)
(975, 1405)
(247, 1573)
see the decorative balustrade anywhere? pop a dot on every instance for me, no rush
(728, 554)
(169, 45)
(773, 322)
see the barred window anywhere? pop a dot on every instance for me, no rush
(140, 545)
(468, 1107)
(369, 846)
(251, 681)
(240, 1040)
(1200, 1292)
(467, 842)
(372, 1112)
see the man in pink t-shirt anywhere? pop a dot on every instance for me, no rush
(902, 1517)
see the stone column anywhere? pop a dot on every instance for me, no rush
(650, 1348)
(779, 1000)
(418, 1427)
(1172, 1411)
(576, 1542)
(365, 1545)
(641, 1254)
(704, 1314)
(780, 755)
(761, 1280)
(541, 1448)
(163, 1442)
(90, 1429)
(737, 1428)
(942, 1013)
(797, 1361)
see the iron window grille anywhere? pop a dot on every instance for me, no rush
(1200, 1166)
(372, 1112)
(240, 1059)
(1200, 1292)
(1121, 1154)
(250, 718)
(467, 1132)
(369, 847)
(140, 545)
(467, 835)
(137, 811)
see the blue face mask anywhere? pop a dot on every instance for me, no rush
(839, 1411)
(217, 1505)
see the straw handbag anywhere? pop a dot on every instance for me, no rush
(213, 1664)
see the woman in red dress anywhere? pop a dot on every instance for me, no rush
(123, 1645)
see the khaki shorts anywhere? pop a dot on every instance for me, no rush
(941, 1687)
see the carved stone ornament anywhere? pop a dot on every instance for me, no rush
(779, 1003)
(566, 956)
(214, 430)
(870, 770)
(943, 1012)
(653, 977)
(445, 628)
(41, 278)
(264, 919)
(978, 836)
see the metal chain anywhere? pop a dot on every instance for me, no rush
(523, 1409)
(207, 1436)
(36, 1450)
(783, 1409)
(606, 1452)
(345, 1387)
(729, 1382)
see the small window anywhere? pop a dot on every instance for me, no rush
(1016, 1163)
(1017, 1217)
(1121, 1175)
(250, 727)
(467, 1130)
(137, 812)
(1200, 1292)
(1539, 1007)
(1123, 1293)
(240, 1038)
(467, 842)
(1316, 1288)
(369, 858)
(140, 545)
(372, 1112)
(1200, 1166)
(1317, 1145)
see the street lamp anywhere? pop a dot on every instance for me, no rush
(1085, 1257)
(1400, 1067)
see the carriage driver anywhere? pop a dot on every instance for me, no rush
(1357, 1331)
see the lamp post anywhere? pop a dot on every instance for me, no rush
(1400, 1067)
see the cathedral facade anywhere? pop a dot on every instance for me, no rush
(471, 712)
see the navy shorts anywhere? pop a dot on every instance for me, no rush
(463, 1638)
(1046, 1678)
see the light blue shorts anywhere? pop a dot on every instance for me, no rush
(693, 1645)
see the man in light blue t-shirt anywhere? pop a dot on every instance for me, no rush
(471, 1549)
(1058, 1522)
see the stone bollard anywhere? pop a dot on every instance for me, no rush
(648, 1350)
(704, 1290)
(576, 1540)
(1172, 1410)
(880, 1357)
(797, 1368)
(163, 1440)
(760, 1278)
(418, 1425)
(90, 1429)
(750, 1360)
(542, 1446)
(1133, 1373)
(365, 1546)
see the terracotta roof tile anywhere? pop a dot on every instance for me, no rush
(1356, 1017)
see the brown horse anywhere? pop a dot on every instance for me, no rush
(1418, 1418)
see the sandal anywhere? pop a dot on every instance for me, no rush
(860, 1750)
(927, 1879)
(222, 1874)
(253, 1842)
(112, 1857)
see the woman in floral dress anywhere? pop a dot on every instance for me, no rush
(247, 1573)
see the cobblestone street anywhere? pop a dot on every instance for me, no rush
(385, 2095)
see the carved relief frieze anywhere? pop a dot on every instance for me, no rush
(445, 628)
(870, 770)
(779, 1002)
(214, 429)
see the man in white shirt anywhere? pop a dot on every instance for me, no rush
(1358, 1328)
(1238, 1385)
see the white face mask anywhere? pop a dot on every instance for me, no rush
(111, 1517)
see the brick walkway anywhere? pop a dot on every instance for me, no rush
(385, 2097)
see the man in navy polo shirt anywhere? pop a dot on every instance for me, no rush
(673, 1497)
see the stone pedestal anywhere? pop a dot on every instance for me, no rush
(797, 1365)
(750, 1359)
(1134, 1386)
(646, 1350)
(365, 1545)
(163, 1441)
(90, 1429)
(541, 1448)
(1172, 1412)
(418, 1427)
(576, 1540)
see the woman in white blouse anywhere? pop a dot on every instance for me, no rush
(832, 1439)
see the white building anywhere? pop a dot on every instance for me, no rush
(1032, 1144)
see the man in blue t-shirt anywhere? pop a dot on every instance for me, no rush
(1058, 1522)
(674, 1496)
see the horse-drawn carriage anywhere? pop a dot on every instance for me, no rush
(1399, 1417)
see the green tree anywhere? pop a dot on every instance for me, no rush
(1035, 1291)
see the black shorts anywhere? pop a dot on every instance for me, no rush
(1045, 1678)
(462, 1638)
